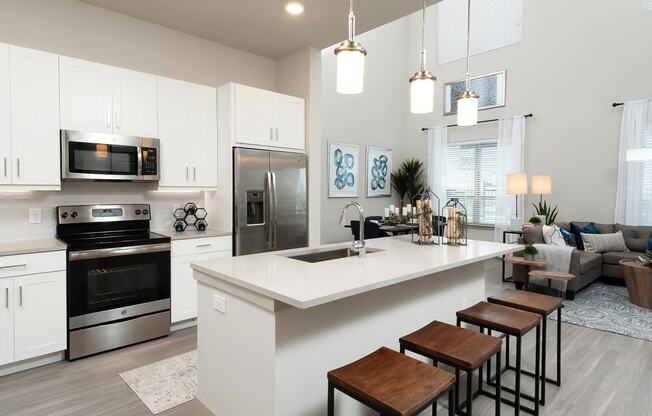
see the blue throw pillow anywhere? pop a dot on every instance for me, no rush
(649, 245)
(569, 238)
(577, 230)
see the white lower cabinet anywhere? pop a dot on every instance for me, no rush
(6, 321)
(183, 285)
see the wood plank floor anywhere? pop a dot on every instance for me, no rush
(603, 374)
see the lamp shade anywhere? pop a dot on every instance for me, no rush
(541, 184)
(467, 109)
(639, 155)
(422, 95)
(517, 184)
(350, 71)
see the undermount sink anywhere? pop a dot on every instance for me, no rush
(317, 256)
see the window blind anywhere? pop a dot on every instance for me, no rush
(646, 185)
(471, 177)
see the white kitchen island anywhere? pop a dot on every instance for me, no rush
(271, 327)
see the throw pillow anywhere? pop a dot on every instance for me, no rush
(602, 243)
(552, 235)
(649, 245)
(577, 230)
(569, 238)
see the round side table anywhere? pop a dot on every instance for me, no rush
(639, 283)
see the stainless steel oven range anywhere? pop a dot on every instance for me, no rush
(118, 277)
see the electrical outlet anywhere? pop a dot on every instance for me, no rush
(219, 303)
(35, 215)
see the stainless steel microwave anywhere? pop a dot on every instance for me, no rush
(98, 156)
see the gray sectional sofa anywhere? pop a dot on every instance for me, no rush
(588, 267)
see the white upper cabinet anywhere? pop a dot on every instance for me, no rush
(187, 115)
(34, 84)
(5, 118)
(39, 314)
(134, 103)
(86, 96)
(267, 119)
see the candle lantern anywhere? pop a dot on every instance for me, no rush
(457, 229)
(425, 211)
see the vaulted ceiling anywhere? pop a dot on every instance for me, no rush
(262, 26)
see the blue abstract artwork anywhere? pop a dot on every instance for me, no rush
(343, 170)
(379, 170)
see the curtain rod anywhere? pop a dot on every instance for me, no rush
(617, 104)
(481, 121)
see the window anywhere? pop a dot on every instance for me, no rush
(471, 177)
(646, 185)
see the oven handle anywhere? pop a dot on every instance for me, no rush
(117, 251)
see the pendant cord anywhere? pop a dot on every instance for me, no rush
(351, 22)
(423, 37)
(468, 43)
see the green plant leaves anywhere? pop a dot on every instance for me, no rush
(408, 179)
(542, 208)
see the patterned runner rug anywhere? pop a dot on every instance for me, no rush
(607, 307)
(165, 384)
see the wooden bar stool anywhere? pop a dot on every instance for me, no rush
(543, 305)
(392, 384)
(516, 323)
(463, 349)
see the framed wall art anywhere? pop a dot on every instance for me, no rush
(490, 88)
(343, 170)
(379, 172)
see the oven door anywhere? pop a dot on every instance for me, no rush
(118, 283)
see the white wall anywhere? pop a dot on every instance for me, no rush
(377, 117)
(575, 59)
(69, 27)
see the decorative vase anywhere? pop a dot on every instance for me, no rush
(530, 257)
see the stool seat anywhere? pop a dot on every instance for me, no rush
(394, 383)
(532, 302)
(459, 346)
(501, 318)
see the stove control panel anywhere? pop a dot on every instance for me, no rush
(102, 213)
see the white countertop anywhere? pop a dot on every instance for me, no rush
(304, 285)
(184, 235)
(15, 247)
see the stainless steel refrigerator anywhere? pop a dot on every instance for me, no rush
(270, 201)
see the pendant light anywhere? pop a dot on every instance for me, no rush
(350, 61)
(422, 83)
(467, 101)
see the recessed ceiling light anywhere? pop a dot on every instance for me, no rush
(294, 8)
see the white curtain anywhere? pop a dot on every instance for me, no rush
(637, 121)
(509, 159)
(437, 161)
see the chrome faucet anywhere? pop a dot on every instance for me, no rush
(359, 245)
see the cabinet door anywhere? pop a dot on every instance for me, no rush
(34, 117)
(184, 286)
(85, 95)
(290, 122)
(40, 314)
(6, 321)
(253, 115)
(201, 124)
(5, 122)
(134, 103)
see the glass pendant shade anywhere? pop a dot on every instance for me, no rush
(467, 109)
(350, 68)
(422, 92)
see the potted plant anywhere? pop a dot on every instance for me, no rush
(530, 252)
(408, 181)
(535, 220)
(546, 211)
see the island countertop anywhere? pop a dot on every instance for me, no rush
(305, 285)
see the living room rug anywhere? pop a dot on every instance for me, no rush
(607, 308)
(165, 384)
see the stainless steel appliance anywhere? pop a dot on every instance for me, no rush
(270, 201)
(118, 277)
(98, 156)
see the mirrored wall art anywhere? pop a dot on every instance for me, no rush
(490, 88)
(343, 161)
(379, 171)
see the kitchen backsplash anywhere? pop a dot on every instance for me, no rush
(14, 207)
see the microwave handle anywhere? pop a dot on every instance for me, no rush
(140, 160)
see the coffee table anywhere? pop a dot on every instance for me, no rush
(528, 264)
(639, 283)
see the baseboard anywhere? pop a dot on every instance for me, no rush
(188, 323)
(31, 363)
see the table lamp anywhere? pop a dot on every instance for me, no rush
(517, 185)
(542, 185)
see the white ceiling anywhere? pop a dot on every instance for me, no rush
(262, 26)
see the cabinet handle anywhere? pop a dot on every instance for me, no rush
(20, 295)
(108, 117)
(194, 173)
(7, 297)
(117, 119)
(18, 167)
(277, 134)
(187, 174)
(271, 134)
(13, 266)
(204, 245)
(5, 161)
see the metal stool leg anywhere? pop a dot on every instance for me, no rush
(457, 390)
(469, 392)
(498, 383)
(537, 371)
(480, 369)
(558, 346)
(434, 408)
(544, 341)
(331, 399)
(517, 387)
(451, 402)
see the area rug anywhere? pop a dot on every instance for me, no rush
(607, 307)
(165, 384)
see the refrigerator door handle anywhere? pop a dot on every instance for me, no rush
(269, 210)
(275, 207)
